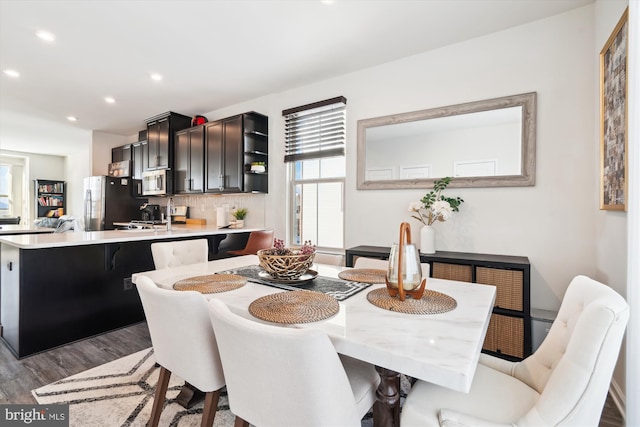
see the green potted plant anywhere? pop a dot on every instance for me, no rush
(239, 214)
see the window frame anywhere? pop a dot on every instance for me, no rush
(292, 203)
(295, 157)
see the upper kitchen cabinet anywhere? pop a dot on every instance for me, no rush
(160, 138)
(236, 154)
(139, 155)
(256, 153)
(120, 154)
(223, 155)
(139, 158)
(188, 171)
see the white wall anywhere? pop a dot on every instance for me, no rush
(610, 226)
(101, 146)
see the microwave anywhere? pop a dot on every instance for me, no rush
(157, 182)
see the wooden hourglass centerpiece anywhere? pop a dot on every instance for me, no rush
(404, 276)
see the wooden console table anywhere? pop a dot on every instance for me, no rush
(509, 333)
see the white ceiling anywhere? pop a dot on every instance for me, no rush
(214, 54)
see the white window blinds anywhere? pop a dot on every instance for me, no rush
(315, 130)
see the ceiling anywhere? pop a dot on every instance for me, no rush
(214, 54)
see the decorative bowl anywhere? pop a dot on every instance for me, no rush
(289, 266)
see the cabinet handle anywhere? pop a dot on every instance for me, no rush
(10, 266)
(187, 184)
(221, 181)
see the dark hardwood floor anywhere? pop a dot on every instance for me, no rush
(19, 377)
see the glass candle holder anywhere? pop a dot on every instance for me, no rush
(409, 267)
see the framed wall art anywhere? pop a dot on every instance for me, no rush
(613, 118)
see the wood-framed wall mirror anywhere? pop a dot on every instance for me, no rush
(489, 143)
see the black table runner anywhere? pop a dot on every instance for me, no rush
(337, 288)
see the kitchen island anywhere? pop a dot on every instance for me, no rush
(63, 287)
(13, 229)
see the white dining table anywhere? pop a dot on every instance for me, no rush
(439, 348)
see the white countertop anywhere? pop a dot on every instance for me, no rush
(439, 348)
(56, 240)
(11, 229)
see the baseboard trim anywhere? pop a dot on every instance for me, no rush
(618, 398)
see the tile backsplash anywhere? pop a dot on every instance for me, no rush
(205, 207)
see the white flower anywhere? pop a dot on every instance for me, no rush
(415, 206)
(434, 206)
(442, 210)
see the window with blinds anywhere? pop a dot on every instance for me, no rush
(315, 152)
(315, 130)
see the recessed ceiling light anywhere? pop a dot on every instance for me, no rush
(46, 36)
(72, 119)
(110, 100)
(12, 73)
(155, 76)
(327, 2)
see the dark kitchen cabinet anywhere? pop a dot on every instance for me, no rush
(160, 138)
(139, 157)
(224, 156)
(188, 170)
(256, 153)
(232, 146)
(120, 154)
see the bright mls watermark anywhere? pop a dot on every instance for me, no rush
(34, 415)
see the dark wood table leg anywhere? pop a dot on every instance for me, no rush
(189, 396)
(386, 410)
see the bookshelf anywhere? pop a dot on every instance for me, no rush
(50, 198)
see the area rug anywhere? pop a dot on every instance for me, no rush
(120, 393)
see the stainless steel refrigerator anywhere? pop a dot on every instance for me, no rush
(107, 200)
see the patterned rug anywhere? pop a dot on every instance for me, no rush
(120, 393)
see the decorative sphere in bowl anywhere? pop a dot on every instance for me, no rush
(285, 264)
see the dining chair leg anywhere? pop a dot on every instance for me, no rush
(210, 407)
(158, 400)
(240, 422)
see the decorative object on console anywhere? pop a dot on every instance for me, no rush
(198, 120)
(431, 208)
(287, 263)
(405, 272)
(239, 214)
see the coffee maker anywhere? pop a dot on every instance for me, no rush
(150, 213)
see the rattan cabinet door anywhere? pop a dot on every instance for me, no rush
(505, 335)
(462, 273)
(509, 285)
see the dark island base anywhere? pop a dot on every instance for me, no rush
(70, 293)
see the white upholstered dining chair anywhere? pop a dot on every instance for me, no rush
(282, 376)
(382, 264)
(183, 343)
(564, 383)
(180, 252)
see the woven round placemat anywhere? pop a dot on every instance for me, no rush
(432, 302)
(294, 307)
(211, 283)
(363, 275)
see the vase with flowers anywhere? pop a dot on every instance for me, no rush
(434, 206)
